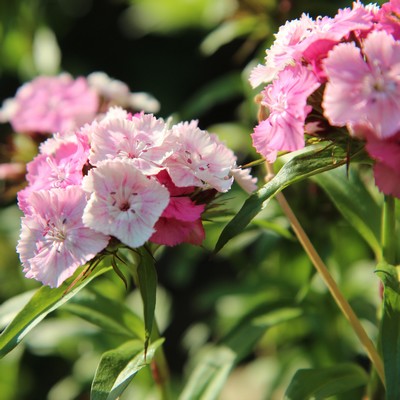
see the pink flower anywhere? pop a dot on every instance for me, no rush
(284, 51)
(123, 202)
(180, 222)
(52, 104)
(389, 16)
(54, 242)
(386, 153)
(244, 179)
(61, 169)
(286, 99)
(363, 85)
(200, 159)
(140, 139)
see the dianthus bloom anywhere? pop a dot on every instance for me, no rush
(129, 178)
(352, 63)
(52, 104)
(54, 241)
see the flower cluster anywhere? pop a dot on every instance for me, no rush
(352, 61)
(129, 177)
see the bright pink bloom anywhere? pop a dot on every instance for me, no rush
(140, 139)
(200, 160)
(54, 242)
(386, 153)
(286, 99)
(53, 104)
(389, 18)
(123, 202)
(180, 222)
(363, 87)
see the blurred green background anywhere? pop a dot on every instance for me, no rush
(194, 56)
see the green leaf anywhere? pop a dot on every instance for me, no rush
(210, 374)
(207, 379)
(117, 368)
(390, 328)
(311, 162)
(147, 276)
(321, 383)
(43, 302)
(111, 315)
(356, 204)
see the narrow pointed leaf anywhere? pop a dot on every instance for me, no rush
(147, 276)
(390, 328)
(353, 200)
(43, 302)
(322, 383)
(307, 164)
(111, 315)
(118, 367)
(210, 374)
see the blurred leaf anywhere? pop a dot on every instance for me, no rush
(207, 379)
(117, 368)
(390, 328)
(211, 372)
(356, 204)
(227, 32)
(111, 315)
(43, 302)
(224, 88)
(147, 276)
(313, 161)
(325, 382)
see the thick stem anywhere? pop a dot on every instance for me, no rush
(330, 282)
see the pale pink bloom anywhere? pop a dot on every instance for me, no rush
(285, 49)
(363, 86)
(140, 139)
(286, 99)
(54, 242)
(386, 153)
(123, 202)
(12, 171)
(180, 222)
(244, 179)
(51, 104)
(201, 159)
(117, 92)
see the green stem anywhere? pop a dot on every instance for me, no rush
(330, 282)
(389, 230)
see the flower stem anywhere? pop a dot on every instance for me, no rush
(388, 230)
(330, 282)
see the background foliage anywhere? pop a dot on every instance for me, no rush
(194, 57)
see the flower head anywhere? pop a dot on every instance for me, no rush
(123, 202)
(54, 241)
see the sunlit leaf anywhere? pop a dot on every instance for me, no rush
(117, 368)
(320, 383)
(43, 302)
(311, 162)
(211, 372)
(390, 328)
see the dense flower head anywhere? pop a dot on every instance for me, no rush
(129, 178)
(352, 63)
